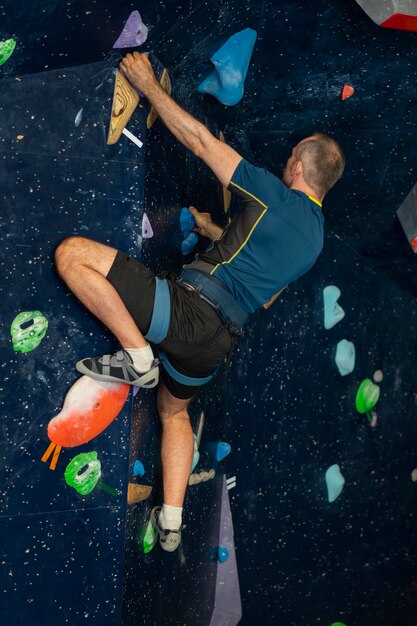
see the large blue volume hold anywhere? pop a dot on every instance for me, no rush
(231, 64)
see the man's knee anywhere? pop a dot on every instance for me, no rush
(67, 254)
(170, 408)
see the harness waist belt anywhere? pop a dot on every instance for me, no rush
(217, 294)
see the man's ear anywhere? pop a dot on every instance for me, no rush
(298, 168)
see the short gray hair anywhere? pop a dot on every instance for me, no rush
(323, 162)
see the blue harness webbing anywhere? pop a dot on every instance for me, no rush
(158, 331)
(161, 313)
(182, 378)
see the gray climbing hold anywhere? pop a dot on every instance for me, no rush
(345, 357)
(333, 312)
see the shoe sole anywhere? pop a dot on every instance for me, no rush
(142, 381)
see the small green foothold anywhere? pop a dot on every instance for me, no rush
(27, 330)
(6, 50)
(367, 396)
(83, 481)
(338, 624)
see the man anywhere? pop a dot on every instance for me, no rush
(193, 320)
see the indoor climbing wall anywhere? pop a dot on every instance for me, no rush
(307, 440)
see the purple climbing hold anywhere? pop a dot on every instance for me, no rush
(134, 32)
(147, 231)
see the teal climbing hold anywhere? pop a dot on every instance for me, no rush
(335, 482)
(222, 450)
(333, 312)
(196, 455)
(231, 62)
(6, 50)
(345, 357)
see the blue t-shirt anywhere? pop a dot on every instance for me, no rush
(274, 239)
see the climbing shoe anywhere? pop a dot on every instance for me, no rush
(118, 368)
(169, 539)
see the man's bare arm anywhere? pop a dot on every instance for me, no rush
(219, 157)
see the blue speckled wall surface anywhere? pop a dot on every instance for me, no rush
(282, 405)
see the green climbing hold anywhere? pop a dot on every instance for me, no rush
(27, 330)
(338, 624)
(6, 50)
(83, 472)
(367, 396)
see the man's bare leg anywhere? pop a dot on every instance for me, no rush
(84, 264)
(177, 446)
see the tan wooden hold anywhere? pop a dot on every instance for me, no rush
(137, 493)
(125, 101)
(227, 196)
(165, 83)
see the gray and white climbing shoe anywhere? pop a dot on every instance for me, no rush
(118, 368)
(169, 539)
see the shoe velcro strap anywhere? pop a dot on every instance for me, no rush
(105, 359)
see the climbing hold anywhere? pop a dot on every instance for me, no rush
(222, 450)
(347, 92)
(231, 64)
(83, 472)
(137, 493)
(367, 396)
(187, 223)
(335, 482)
(374, 419)
(6, 49)
(222, 554)
(345, 357)
(401, 14)
(165, 83)
(134, 32)
(202, 477)
(78, 117)
(196, 455)
(138, 468)
(125, 101)
(378, 376)
(338, 624)
(89, 407)
(407, 215)
(27, 330)
(333, 312)
(414, 475)
(147, 231)
(189, 243)
(20, 137)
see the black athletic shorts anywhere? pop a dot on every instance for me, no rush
(197, 341)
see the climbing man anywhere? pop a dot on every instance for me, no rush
(193, 320)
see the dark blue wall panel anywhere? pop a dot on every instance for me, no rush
(283, 406)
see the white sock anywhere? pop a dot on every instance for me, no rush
(142, 357)
(170, 517)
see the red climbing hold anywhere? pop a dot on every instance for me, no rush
(347, 91)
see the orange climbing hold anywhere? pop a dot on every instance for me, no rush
(347, 92)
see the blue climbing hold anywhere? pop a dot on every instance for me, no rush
(333, 312)
(222, 554)
(189, 243)
(335, 482)
(187, 223)
(345, 357)
(231, 64)
(138, 468)
(222, 450)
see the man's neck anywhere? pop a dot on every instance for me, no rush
(299, 186)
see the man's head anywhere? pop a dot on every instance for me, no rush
(318, 161)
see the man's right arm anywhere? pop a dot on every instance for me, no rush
(219, 157)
